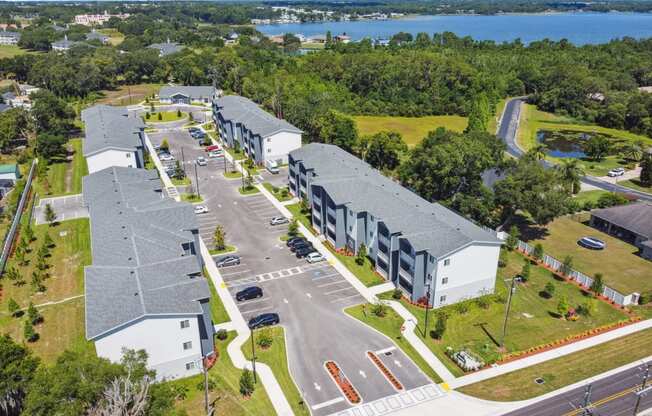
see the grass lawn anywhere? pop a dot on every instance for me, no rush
(275, 357)
(282, 194)
(390, 325)
(636, 185)
(9, 51)
(225, 397)
(115, 37)
(180, 182)
(129, 94)
(166, 116)
(218, 312)
(622, 269)
(227, 249)
(586, 196)
(533, 320)
(300, 215)
(248, 191)
(562, 371)
(232, 174)
(413, 129)
(64, 177)
(191, 198)
(63, 325)
(236, 155)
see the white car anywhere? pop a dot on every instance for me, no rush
(201, 209)
(616, 172)
(278, 221)
(315, 257)
(214, 154)
(166, 158)
(201, 161)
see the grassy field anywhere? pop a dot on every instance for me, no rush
(533, 318)
(64, 177)
(390, 325)
(166, 116)
(298, 213)
(129, 94)
(218, 312)
(586, 196)
(560, 372)
(636, 185)
(63, 325)
(533, 120)
(413, 129)
(225, 396)
(115, 37)
(275, 357)
(232, 174)
(282, 197)
(9, 51)
(248, 191)
(622, 269)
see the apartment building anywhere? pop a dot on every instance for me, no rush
(179, 94)
(262, 136)
(428, 251)
(145, 288)
(9, 38)
(113, 137)
(97, 19)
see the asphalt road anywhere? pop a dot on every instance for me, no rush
(308, 298)
(507, 132)
(611, 396)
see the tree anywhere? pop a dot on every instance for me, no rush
(567, 265)
(588, 308)
(219, 237)
(29, 233)
(563, 307)
(28, 332)
(362, 254)
(525, 271)
(41, 263)
(549, 290)
(570, 172)
(33, 314)
(382, 150)
(159, 116)
(17, 368)
(178, 113)
(246, 383)
(13, 307)
(165, 146)
(646, 168)
(50, 215)
(37, 281)
(480, 114)
(538, 152)
(512, 238)
(597, 286)
(537, 252)
(47, 240)
(293, 227)
(52, 115)
(15, 126)
(338, 129)
(440, 326)
(597, 147)
(291, 43)
(49, 146)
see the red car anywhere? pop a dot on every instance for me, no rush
(212, 148)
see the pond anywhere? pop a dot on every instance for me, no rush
(570, 143)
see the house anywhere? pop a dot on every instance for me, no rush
(631, 223)
(262, 136)
(9, 174)
(16, 101)
(26, 89)
(317, 39)
(113, 137)
(179, 94)
(166, 48)
(145, 288)
(93, 35)
(429, 252)
(97, 19)
(63, 44)
(9, 38)
(343, 38)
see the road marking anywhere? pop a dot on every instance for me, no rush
(606, 400)
(362, 373)
(251, 302)
(326, 276)
(327, 403)
(285, 300)
(385, 350)
(338, 290)
(345, 298)
(219, 205)
(337, 282)
(237, 272)
(309, 295)
(398, 363)
(317, 386)
(264, 308)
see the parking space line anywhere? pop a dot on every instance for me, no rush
(326, 276)
(251, 302)
(340, 290)
(346, 298)
(327, 403)
(264, 308)
(337, 282)
(236, 272)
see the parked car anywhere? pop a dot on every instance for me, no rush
(294, 240)
(201, 161)
(192, 130)
(300, 245)
(315, 257)
(251, 292)
(271, 166)
(265, 319)
(304, 251)
(230, 260)
(166, 157)
(211, 148)
(214, 154)
(616, 172)
(278, 221)
(201, 209)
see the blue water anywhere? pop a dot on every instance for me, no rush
(579, 28)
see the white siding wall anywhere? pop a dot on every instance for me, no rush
(162, 338)
(110, 158)
(471, 273)
(279, 145)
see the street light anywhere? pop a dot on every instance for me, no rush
(197, 182)
(253, 355)
(205, 371)
(512, 289)
(425, 330)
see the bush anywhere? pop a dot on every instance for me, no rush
(265, 339)
(525, 271)
(611, 199)
(462, 307)
(159, 116)
(597, 286)
(222, 334)
(537, 253)
(588, 308)
(211, 384)
(483, 302)
(646, 297)
(362, 254)
(246, 383)
(397, 294)
(440, 326)
(512, 238)
(549, 290)
(379, 309)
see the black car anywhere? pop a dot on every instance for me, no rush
(252, 292)
(265, 319)
(300, 245)
(294, 240)
(304, 251)
(227, 261)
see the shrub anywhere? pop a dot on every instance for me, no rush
(512, 238)
(483, 302)
(222, 334)
(440, 326)
(246, 383)
(29, 333)
(537, 253)
(159, 116)
(178, 113)
(293, 227)
(646, 297)
(563, 307)
(502, 259)
(265, 339)
(597, 286)
(567, 265)
(549, 290)
(462, 307)
(362, 254)
(397, 294)
(33, 314)
(147, 115)
(211, 384)
(525, 271)
(13, 307)
(611, 199)
(379, 309)
(588, 308)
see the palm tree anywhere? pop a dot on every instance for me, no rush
(538, 152)
(570, 172)
(632, 152)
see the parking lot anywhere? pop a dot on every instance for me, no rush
(309, 298)
(65, 207)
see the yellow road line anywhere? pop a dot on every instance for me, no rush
(605, 400)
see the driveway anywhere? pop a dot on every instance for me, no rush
(309, 298)
(66, 207)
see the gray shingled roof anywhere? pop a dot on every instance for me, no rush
(352, 182)
(167, 48)
(9, 34)
(636, 218)
(110, 127)
(192, 92)
(64, 43)
(97, 36)
(4, 107)
(139, 265)
(244, 111)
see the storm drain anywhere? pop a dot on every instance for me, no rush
(539, 380)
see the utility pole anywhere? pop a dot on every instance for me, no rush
(646, 375)
(587, 400)
(253, 355)
(183, 162)
(203, 365)
(425, 330)
(197, 181)
(639, 395)
(509, 306)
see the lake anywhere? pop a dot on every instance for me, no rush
(579, 28)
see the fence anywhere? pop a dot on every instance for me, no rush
(9, 238)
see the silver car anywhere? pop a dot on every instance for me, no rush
(278, 221)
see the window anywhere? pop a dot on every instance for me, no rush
(371, 234)
(372, 218)
(447, 262)
(350, 213)
(442, 299)
(431, 259)
(128, 155)
(190, 366)
(350, 228)
(187, 345)
(269, 139)
(185, 324)
(444, 280)
(269, 150)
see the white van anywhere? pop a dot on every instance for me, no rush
(271, 166)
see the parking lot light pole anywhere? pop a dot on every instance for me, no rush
(205, 372)
(509, 305)
(425, 329)
(253, 355)
(197, 181)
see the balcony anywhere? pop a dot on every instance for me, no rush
(316, 199)
(331, 227)
(382, 256)
(383, 248)
(330, 211)
(383, 240)
(408, 259)
(316, 214)
(405, 270)
(405, 274)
